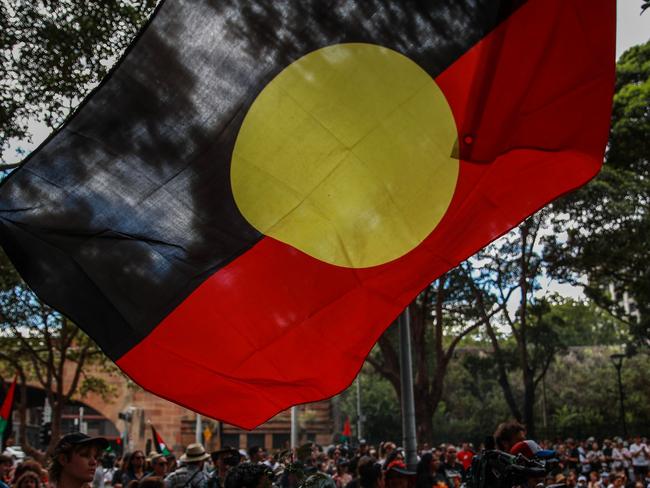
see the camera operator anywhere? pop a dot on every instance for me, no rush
(508, 434)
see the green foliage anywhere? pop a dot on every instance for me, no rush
(53, 52)
(379, 405)
(603, 229)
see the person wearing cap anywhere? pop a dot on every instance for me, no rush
(191, 474)
(531, 450)
(75, 459)
(582, 481)
(224, 460)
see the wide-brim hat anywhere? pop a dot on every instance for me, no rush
(194, 453)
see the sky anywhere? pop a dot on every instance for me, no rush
(631, 27)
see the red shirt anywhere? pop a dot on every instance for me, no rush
(465, 457)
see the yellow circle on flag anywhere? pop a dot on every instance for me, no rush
(347, 155)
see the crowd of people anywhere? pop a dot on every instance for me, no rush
(80, 461)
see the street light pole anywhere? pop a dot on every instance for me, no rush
(617, 360)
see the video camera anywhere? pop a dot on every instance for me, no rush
(498, 469)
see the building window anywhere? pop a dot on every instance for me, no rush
(254, 440)
(230, 440)
(281, 441)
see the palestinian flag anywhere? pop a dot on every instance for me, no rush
(5, 413)
(254, 181)
(347, 430)
(159, 444)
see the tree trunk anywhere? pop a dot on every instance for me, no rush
(529, 404)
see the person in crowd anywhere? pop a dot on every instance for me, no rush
(640, 454)
(28, 465)
(385, 449)
(572, 456)
(75, 459)
(397, 476)
(158, 468)
(508, 434)
(191, 473)
(594, 480)
(582, 481)
(465, 456)
(248, 475)
(151, 482)
(256, 454)
(453, 470)
(134, 468)
(223, 460)
(6, 464)
(172, 463)
(342, 476)
(29, 479)
(424, 471)
(595, 456)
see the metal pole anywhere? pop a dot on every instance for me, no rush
(408, 400)
(198, 435)
(294, 427)
(621, 398)
(359, 418)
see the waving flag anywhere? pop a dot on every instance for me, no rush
(159, 444)
(255, 181)
(5, 413)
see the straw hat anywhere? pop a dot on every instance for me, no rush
(194, 453)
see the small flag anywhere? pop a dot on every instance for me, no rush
(207, 434)
(347, 430)
(5, 412)
(159, 444)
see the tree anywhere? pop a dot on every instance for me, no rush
(603, 229)
(40, 344)
(510, 270)
(55, 52)
(441, 316)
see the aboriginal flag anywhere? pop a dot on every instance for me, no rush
(258, 189)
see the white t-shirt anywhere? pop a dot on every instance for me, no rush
(638, 452)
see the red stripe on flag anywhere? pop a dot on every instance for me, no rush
(7, 404)
(276, 327)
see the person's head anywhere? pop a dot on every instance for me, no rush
(582, 481)
(450, 454)
(594, 446)
(6, 462)
(29, 465)
(29, 479)
(256, 454)
(387, 448)
(159, 466)
(604, 478)
(363, 447)
(75, 458)
(593, 476)
(508, 434)
(248, 475)
(137, 460)
(397, 476)
(194, 454)
(151, 482)
(225, 458)
(369, 472)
